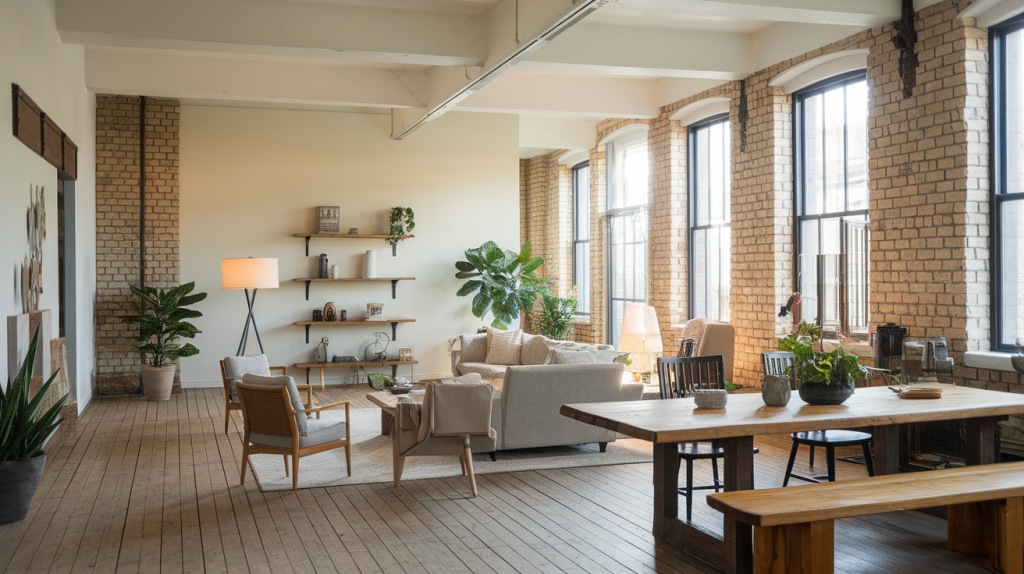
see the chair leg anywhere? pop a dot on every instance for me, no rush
(811, 460)
(494, 455)
(462, 463)
(398, 464)
(227, 418)
(603, 446)
(245, 461)
(348, 459)
(689, 489)
(867, 459)
(468, 457)
(792, 459)
(295, 471)
(830, 459)
(714, 473)
(285, 465)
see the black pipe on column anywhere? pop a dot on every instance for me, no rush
(142, 192)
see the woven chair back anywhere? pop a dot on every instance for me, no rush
(267, 409)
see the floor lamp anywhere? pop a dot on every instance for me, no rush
(250, 273)
(641, 335)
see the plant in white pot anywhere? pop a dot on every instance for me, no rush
(22, 434)
(161, 320)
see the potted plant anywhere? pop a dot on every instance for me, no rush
(161, 319)
(22, 434)
(507, 281)
(554, 314)
(825, 378)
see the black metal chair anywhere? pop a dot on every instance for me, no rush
(678, 378)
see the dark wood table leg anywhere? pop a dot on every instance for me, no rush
(739, 475)
(982, 446)
(887, 449)
(666, 486)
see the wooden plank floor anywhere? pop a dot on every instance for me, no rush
(153, 487)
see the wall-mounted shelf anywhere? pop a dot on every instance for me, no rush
(394, 282)
(393, 364)
(308, 236)
(355, 323)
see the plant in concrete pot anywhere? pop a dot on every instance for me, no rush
(506, 280)
(825, 378)
(161, 320)
(22, 434)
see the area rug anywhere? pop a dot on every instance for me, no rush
(371, 460)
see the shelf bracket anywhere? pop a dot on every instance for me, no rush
(394, 371)
(307, 333)
(307, 246)
(307, 288)
(394, 284)
(394, 332)
(394, 250)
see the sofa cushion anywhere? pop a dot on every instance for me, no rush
(582, 357)
(328, 428)
(485, 370)
(504, 347)
(535, 350)
(474, 348)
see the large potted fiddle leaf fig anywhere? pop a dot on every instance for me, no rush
(505, 282)
(161, 320)
(23, 430)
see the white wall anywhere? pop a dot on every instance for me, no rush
(32, 56)
(251, 178)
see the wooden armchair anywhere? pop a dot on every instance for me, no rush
(275, 425)
(232, 369)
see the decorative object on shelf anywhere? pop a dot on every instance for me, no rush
(23, 430)
(161, 320)
(319, 357)
(32, 268)
(344, 359)
(401, 224)
(377, 351)
(554, 314)
(327, 218)
(330, 312)
(775, 391)
(318, 314)
(353, 231)
(380, 381)
(507, 272)
(343, 315)
(374, 311)
(641, 338)
(370, 265)
(710, 398)
(334, 272)
(406, 353)
(825, 378)
(321, 270)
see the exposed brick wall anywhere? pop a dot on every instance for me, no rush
(117, 225)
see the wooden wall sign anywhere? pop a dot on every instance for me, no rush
(42, 135)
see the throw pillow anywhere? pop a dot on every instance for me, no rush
(564, 357)
(504, 347)
(535, 350)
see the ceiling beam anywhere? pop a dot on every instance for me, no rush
(622, 50)
(568, 97)
(276, 28)
(514, 29)
(220, 76)
(865, 13)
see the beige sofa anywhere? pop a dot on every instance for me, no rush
(528, 397)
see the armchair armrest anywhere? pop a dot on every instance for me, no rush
(325, 407)
(456, 358)
(284, 370)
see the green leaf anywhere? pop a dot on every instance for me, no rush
(466, 275)
(464, 266)
(469, 287)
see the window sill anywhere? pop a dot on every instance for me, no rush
(580, 320)
(993, 360)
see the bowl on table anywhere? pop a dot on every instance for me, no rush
(710, 398)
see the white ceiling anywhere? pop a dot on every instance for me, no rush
(417, 59)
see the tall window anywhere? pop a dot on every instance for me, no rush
(832, 202)
(1008, 191)
(581, 236)
(710, 234)
(628, 169)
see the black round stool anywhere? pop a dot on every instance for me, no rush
(829, 439)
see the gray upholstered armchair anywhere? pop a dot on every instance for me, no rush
(232, 369)
(454, 419)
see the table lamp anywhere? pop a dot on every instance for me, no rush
(249, 273)
(641, 335)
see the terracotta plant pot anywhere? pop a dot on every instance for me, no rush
(158, 382)
(18, 482)
(834, 393)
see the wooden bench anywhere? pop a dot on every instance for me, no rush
(794, 527)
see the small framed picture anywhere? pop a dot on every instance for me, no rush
(405, 353)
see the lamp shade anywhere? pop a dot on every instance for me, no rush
(249, 273)
(640, 330)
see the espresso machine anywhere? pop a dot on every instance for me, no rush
(889, 347)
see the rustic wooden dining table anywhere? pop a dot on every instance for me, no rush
(668, 422)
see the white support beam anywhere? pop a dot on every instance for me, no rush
(623, 50)
(569, 97)
(515, 29)
(784, 40)
(557, 134)
(244, 78)
(276, 28)
(866, 13)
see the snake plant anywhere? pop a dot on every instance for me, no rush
(22, 429)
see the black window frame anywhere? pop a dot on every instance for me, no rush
(575, 170)
(998, 174)
(799, 185)
(692, 201)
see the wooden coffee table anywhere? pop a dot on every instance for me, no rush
(389, 402)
